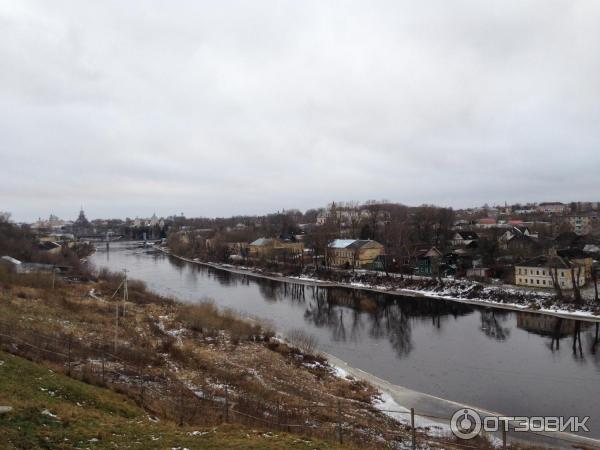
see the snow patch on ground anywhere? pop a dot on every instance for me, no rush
(201, 433)
(387, 405)
(46, 412)
(339, 372)
(312, 280)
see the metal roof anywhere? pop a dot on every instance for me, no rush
(342, 243)
(261, 241)
(11, 260)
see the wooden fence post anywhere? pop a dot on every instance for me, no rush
(180, 406)
(412, 426)
(278, 415)
(339, 421)
(69, 356)
(103, 358)
(141, 377)
(226, 411)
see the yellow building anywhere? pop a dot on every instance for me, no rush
(270, 247)
(355, 253)
(539, 272)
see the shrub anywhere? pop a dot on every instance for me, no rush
(206, 318)
(306, 343)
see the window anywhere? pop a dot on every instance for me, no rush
(562, 273)
(537, 272)
(537, 281)
(520, 280)
(544, 281)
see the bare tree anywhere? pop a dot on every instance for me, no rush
(553, 269)
(318, 239)
(576, 282)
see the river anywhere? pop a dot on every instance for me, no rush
(515, 363)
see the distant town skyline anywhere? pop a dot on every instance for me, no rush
(70, 216)
(223, 108)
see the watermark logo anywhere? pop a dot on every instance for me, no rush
(466, 423)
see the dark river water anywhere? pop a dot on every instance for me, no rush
(518, 364)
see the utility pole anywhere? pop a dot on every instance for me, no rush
(116, 323)
(125, 291)
(125, 298)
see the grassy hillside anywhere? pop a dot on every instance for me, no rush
(51, 410)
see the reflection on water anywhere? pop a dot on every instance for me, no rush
(378, 316)
(513, 362)
(557, 329)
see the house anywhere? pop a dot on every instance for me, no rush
(461, 224)
(579, 257)
(272, 247)
(464, 238)
(16, 266)
(322, 218)
(356, 253)
(428, 262)
(11, 264)
(50, 247)
(552, 208)
(512, 233)
(539, 272)
(457, 262)
(523, 246)
(405, 260)
(487, 222)
(569, 239)
(580, 224)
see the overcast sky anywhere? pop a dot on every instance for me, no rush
(224, 107)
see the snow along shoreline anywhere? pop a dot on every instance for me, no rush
(402, 292)
(432, 414)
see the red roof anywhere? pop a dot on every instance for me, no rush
(487, 220)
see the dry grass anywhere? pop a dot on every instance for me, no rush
(82, 416)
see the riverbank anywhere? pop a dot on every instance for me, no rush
(192, 363)
(462, 291)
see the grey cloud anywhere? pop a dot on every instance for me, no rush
(218, 108)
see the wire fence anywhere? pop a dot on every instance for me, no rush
(147, 378)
